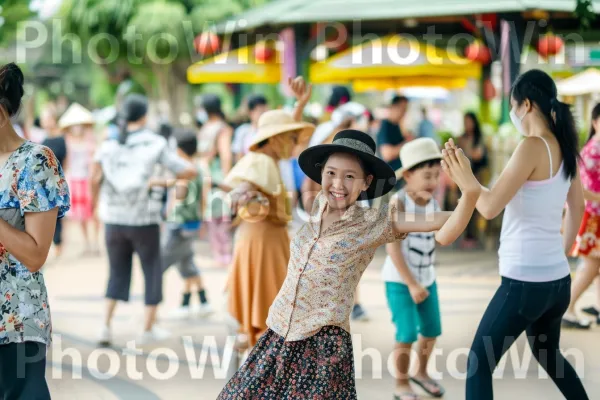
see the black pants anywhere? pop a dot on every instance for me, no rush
(22, 371)
(537, 309)
(121, 242)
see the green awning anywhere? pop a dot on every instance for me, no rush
(286, 12)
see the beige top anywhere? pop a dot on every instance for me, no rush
(262, 171)
(325, 268)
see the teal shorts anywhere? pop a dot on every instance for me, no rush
(413, 319)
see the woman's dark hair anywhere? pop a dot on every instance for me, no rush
(11, 88)
(539, 88)
(339, 96)
(262, 143)
(133, 108)
(595, 115)
(476, 127)
(165, 130)
(187, 140)
(212, 105)
(255, 101)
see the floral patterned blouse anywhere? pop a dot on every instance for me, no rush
(589, 169)
(325, 268)
(31, 180)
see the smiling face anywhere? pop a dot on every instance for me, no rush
(343, 179)
(423, 181)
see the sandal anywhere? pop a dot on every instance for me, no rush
(406, 396)
(574, 323)
(427, 384)
(593, 311)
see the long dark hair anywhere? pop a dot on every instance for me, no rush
(133, 108)
(212, 105)
(595, 115)
(11, 88)
(539, 88)
(476, 127)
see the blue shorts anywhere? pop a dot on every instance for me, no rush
(413, 319)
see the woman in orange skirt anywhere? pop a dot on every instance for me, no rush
(262, 245)
(587, 245)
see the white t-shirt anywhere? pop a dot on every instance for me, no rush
(418, 249)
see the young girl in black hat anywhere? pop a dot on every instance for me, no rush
(307, 352)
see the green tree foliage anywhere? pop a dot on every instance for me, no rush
(155, 38)
(11, 13)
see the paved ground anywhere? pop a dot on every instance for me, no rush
(191, 364)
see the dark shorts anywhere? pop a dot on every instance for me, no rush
(178, 249)
(22, 371)
(121, 242)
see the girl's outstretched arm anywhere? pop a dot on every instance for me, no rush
(448, 225)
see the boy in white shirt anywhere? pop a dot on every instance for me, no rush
(409, 273)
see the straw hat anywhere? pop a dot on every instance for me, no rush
(418, 151)
(76, 114)
(276, 122)
(354, 142)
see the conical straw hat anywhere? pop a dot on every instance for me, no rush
(76, 114)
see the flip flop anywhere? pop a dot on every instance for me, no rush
(575, 324)
(429, 382)
(406, 396)
(593, 311)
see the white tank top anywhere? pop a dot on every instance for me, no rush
(531, 244)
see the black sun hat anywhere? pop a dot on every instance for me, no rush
(353, 142)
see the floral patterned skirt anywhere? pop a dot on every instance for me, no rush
(588, 238)
(319, 367)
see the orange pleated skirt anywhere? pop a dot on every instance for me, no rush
(260, 259)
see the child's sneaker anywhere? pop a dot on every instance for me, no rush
(155, 334)
(204, 310)
(105, 337)
(183, 312)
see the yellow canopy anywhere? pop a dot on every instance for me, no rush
(365, 85)
(394, 56)
(237, 66)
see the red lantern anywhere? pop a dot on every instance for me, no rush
(549, 45)
(490, 21)
(489, 91)
(479, 53)
(207, 43)
(263, 52)
(336, 39)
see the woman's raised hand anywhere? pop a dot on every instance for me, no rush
(456, 164)
(302, 90)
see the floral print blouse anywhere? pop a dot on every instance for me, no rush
(325, 268)
(589, 169)
(31, 180)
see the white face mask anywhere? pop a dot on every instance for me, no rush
(517, 121)
(202, 116)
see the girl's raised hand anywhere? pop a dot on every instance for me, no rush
(456, 164)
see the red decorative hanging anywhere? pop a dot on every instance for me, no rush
(336, 39)
(207, 43)
(489, 20)
(489, 91)
(549, 45)
(478, 52)
(264, 52)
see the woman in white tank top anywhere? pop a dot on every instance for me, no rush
(539, 179)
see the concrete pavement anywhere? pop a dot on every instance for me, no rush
(193, 363)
